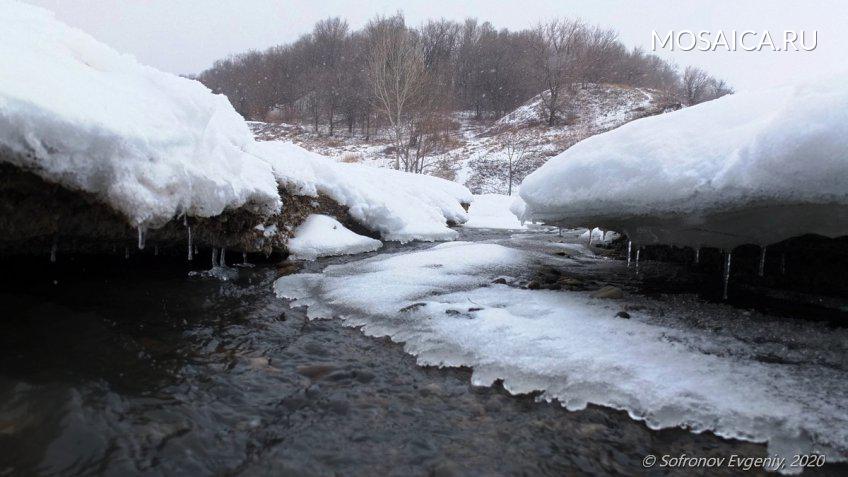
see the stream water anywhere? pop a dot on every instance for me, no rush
(141, 370)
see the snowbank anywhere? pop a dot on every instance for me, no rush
(754, 167)
(675, 362)
(491, 211)
(399, 205)
(323, 236)
(150, 144)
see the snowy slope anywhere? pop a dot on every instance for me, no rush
(475, 144)
(150, 144)
(401, 206)
(675, 362)
(595, 108)
(754, 167)
(323, 236)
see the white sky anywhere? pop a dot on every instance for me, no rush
(186, 36)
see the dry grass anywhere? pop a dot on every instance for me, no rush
(352, 157)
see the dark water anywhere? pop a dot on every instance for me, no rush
(141, 370)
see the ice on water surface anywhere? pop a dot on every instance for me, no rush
(676, 362)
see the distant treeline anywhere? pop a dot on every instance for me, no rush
(400, 75)
(473, 66)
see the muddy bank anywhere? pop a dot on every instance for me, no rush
(40, 218)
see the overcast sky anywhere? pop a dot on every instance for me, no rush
(186, 36)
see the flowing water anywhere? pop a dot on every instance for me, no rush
(138, 369)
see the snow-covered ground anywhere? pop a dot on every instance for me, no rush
(491, 211)
(475, 142)
(399, 205)
(322, 236)
(675, 362)
(155, 146)
(150, 144)
(753, 167)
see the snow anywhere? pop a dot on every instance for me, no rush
(154, 146)
(676, 362)
(150, 144)
(600, 236)
(491, 211)
(753, 167)
(400, 206)
(323, 236)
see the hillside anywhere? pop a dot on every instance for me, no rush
(475, 152)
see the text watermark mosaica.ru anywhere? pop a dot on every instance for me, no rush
(735, 40)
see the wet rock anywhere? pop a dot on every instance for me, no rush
(312, 392)
(623, 314)
(288, 268)
(534, 285)
(315, 371)
(412, 307)
(340, 376)
(365, 376)
(474, 309)
(570, 282)
(453, 312)
(430, 389)
(499, 281)
(338, 405)
(608, 291)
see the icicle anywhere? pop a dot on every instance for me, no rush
(697, 255)
(638, 256)
(190, 254)
(727, 273)
(156, 250)
(559, 231)
(126, 252)
(214, 257)
(763, 260)
(590, 236)
(141, 234)
(244, 258)
(222, 262)
(629, 248)
(196, 250)
(53, 251)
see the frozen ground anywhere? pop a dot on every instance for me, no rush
(672, 361)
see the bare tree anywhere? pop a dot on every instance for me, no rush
(397, 76)
(326, 75)
(515, 145)
(698, 86)
(558, 46)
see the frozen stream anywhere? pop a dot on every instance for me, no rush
(139, 369)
